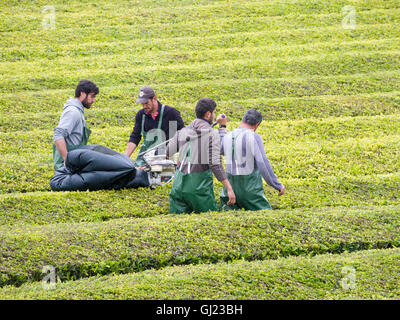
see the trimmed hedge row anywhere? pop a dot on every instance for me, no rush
(42, 111)
(184, 15)
(304, 131)
(60, 207)
(222, 22)
(128, 245)
(182, 57)
(212, 27)
(232, 70)
(273, 109)
(336, 62)
(247, 68)
(370, 274)
(190, 92)
(61, 46)
(181, 54)
(209, 25)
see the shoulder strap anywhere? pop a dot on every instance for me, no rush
(234, 136)
(80, 111)
(233, 143)
(143, 117)
(161, 116)
(187, 154)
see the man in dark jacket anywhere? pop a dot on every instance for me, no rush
(155, 122)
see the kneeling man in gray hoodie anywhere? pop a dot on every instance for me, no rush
(72, 131)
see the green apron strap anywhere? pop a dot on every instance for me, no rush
(234, 151)
(161, 116)
(142, 132)
(86, 135)
(187, 154)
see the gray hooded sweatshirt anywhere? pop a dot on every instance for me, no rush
(205, 152)
(72, 122)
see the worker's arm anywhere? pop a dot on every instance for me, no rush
(215, 160)
(264, 166)
(172, 146)
(231, 193)
(62, 148)
(215, 163)
(130, 148)
(135, 136)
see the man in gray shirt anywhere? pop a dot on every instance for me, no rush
(246, 164)
(72, 131)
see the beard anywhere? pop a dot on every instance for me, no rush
(151, 108)
(212, 119)
(86, 104)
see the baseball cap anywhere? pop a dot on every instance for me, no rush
(145, 93)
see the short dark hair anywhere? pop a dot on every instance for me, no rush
(87, 87)
(204, 105)
(252, 117)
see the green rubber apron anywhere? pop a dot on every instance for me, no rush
(58, 160)
(147, 144)
(192, 192)
(249, 190)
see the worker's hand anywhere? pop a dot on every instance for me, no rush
(221, 119)
(141, 168)
(232, 197)
(282, 191)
